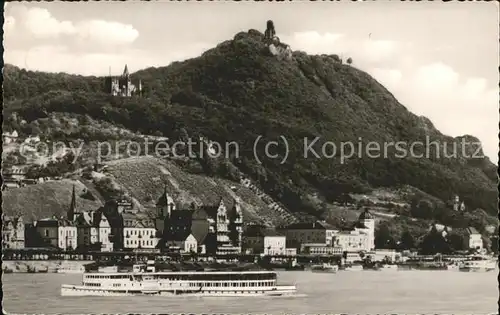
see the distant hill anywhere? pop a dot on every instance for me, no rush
(238, 91)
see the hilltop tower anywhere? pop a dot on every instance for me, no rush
(270, 31)
(276, 48)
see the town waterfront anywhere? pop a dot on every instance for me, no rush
(402, 292)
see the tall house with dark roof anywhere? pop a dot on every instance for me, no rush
(261, 240)
(52, 232)
(93, 231)
(298, 234)
(138, 232)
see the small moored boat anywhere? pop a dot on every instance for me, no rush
(68, 268)
(453, 267)
(353, 267)
(478, 263)
(388, 267)
(326, 268)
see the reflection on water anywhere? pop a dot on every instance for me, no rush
(344, 292)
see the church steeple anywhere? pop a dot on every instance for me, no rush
(125, 71)
(165, 204)
(72, 206)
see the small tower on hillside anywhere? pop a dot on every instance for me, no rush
(457, 204)
(366, 218)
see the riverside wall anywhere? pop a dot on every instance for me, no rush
(35, 266)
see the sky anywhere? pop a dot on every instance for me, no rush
(440, 60)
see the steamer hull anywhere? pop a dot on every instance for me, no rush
(218, 283)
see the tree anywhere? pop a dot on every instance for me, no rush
(423, 209)
(407, 240)
(456, 241)
(494, 244)
(349, 60)
(434, 243)
(384, 238)
(478, 219)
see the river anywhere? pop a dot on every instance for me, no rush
(364, 292)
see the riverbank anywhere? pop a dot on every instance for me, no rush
(41, 266)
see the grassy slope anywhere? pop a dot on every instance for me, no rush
(144, 178)
(45, 200)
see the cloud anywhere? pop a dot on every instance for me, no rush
(106, 32)
(314, 42)
(368, 51)
(436, 77)
(455, 104)
(378, 50)
(40, 24)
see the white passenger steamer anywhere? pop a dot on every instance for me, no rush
(146, 281)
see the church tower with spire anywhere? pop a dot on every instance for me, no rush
(164, 208)
(72, 207)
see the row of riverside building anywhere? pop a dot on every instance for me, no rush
(117, 226)
(216, 229)
(207, 229)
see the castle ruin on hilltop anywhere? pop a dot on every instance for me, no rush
(122, 85)
(276, 48)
